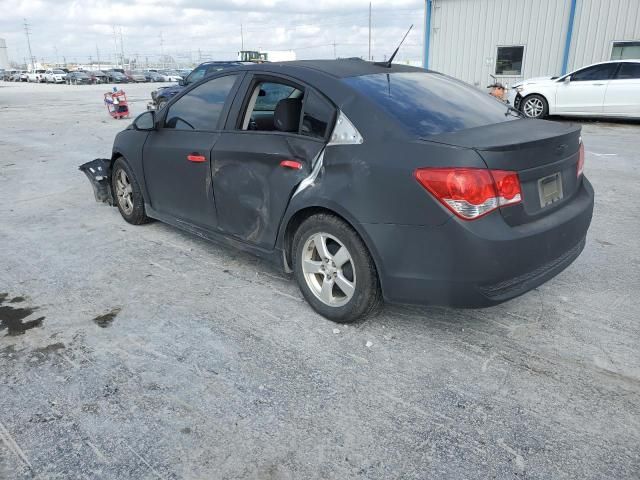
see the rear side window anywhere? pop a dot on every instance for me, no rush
(628, 71)
(597, 72)
(270, 94)
(200, 109)
(317, 115)
(427, 103)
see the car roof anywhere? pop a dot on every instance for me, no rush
(341, 68)
(626, 60)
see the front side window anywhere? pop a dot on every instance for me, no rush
(427, 103)
(509, 60)
(628, 70)
(598, 72)
(200, 108)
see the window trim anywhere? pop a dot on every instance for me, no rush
(495, 66)
(226, 108)
(238, 107)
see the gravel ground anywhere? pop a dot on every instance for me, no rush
(145, 352)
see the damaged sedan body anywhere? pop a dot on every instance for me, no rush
(370, 182)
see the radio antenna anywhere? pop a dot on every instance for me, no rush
(387, 64)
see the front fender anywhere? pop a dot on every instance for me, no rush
(129, 145)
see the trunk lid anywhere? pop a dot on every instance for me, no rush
(543, 153)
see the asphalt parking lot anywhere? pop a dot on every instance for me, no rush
(145, 352)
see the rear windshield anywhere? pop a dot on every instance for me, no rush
(428, 103)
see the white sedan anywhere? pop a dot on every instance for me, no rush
(607, 89)
(55, 76)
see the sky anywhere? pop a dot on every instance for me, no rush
(194, 30)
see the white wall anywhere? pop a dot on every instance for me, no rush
(598, 24)
(465, 34)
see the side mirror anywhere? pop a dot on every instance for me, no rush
(145, 121)
(567, 79)
(181, 82)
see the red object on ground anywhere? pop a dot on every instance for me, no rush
(116, 103)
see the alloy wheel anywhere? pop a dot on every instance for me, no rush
(533, 107)
(124, 192)
(328, 269)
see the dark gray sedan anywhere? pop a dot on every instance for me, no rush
(367, 181)
(78, 78)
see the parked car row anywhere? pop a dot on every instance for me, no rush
(80, 77)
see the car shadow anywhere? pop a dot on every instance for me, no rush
(507, 316)
(589, 121)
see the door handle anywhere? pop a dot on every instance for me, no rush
(598, 84)
(294, 164)
(196, 158)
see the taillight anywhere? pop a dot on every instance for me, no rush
(471, 192)
(580, 158)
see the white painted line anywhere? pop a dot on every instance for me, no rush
(11, 444)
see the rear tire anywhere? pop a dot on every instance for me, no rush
(535, 106)
(127, 193)
(334, 269)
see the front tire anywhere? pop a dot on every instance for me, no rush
(127, 193)
(535, 106)
(334, 269)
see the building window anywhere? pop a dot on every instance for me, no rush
(509, 61)
(625, 50)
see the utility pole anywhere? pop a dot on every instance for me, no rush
(31, 57)
(241, 38)
(370, 32)
(334, 50)
(162, 50)
(122, 50)
(98, 55)
(115, 46)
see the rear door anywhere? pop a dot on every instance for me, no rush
(584, 93)
(264, 154)
(177, 155)
(623, 92)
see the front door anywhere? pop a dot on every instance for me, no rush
(177, 155)
(584, 92)
(270, 148)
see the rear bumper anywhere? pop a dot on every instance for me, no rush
(480, 263)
